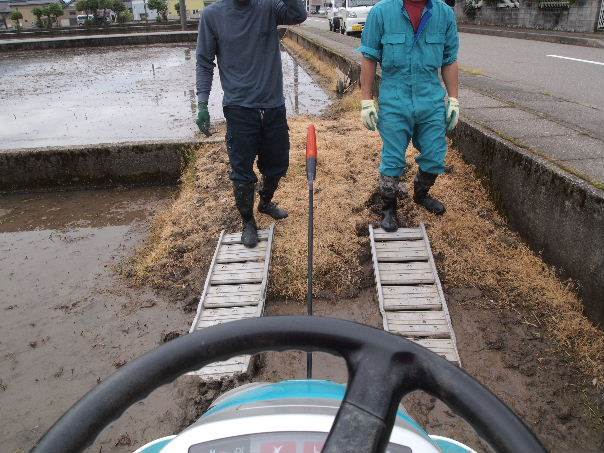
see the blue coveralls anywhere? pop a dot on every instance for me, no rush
(411, 100)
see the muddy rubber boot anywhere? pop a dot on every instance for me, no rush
(421, 186)
(244, 199)
(389, 222)
(266, 205)
(390, 187)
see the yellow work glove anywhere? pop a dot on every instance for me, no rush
(452, 113)
(369, 114)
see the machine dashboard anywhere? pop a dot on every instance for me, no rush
(283, 442)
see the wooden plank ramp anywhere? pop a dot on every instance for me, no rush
(235, 288)
(411, 298)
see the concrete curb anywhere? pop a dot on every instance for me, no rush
(104, 165)
(535, 36)
(98, 41)
(558, 214)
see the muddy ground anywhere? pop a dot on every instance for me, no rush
(497, 347)
(70, 317)
(92, 321)
(67, 320)
(96, 95)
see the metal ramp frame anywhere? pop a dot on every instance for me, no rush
(235, 288)
(411, 298)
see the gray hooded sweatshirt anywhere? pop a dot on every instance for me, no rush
(245, 41)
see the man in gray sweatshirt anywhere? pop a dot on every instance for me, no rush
(242, 35)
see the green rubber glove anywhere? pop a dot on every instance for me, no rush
(203, 118)
(369, 114)
(452, 113)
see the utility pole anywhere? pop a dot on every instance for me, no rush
(183, 14)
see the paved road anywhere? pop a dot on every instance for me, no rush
(523, 72)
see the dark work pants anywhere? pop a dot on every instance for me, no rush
(252, 133)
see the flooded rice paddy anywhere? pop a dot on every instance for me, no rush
(117, 94)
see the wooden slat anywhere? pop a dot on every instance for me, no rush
(233, 296)
(400, 245)
(440, 346)
(230, 290)
(410, 292)
(418, 324)
(404, 298)
(249, 272)
(401, 234)
(235, 238)
(397, 256)
(409, 273)
(393, 278)
(220, 315)
(218, 370)
(239, 253)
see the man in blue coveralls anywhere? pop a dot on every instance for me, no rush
(412, 40)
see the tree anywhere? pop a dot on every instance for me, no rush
(16, 17)
(125, 16)
(105, 5)
(38, 12)
(52, 12)
(89, 7)
(117, 6)
(161, 6)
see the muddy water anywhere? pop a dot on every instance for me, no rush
(67, 320)
(87, 96)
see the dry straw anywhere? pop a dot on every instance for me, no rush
(475, 246)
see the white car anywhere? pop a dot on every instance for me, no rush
(353, 14)
(81, 19)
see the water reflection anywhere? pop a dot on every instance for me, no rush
(117, 94)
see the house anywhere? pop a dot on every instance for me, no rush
(194, 8)
(69, 17)
(142, 12)
(4, 14)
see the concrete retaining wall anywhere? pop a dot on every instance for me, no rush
(533, 35)
(558, 214)
(94, 165)
(98, 41)
(83, 31)
(580, 17)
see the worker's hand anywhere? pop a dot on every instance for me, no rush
(203, 118)
(369, 114)
(452, 113)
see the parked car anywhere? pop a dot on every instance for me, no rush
(348, 16)
(82, 18)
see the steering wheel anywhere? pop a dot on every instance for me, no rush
(382, 368)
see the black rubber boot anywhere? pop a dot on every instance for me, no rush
(266, 205)
(389, 222)
(244, 199)
(389, 190)
(421, 186)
